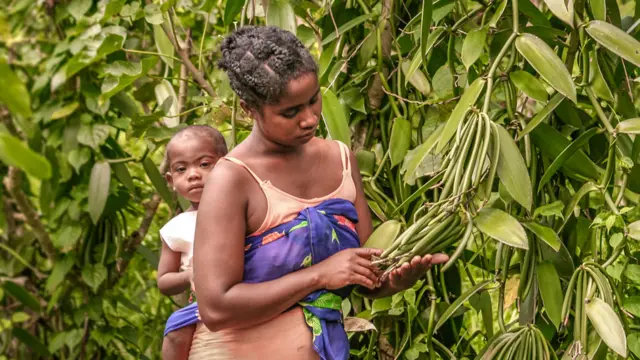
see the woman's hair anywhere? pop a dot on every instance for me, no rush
(260, 61)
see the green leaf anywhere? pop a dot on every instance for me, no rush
(598, 9)
(280, 13)
(93, 135)
(536, 17)
(417, 78)
(547, 64)
(542, 114)
(615, 40)
(529, 84)
(77, 8)
(22, 295)
(633, 230)
(550, 142)
(163, 44)
(164, 91)
(411, 166)
(473, 46)
(632, 272)
(98, 189)
(78, 157)
(441, 9)
(552, 209)
(231, 10)
(67, 237)
(598, 82)
(501, 226)
(629, 126)
(354, 99)
(20, 317)
(544, 233)
(381, 304)
(425, 26)
(384, 235)
(498, 14)
(400, 140)
(459, 301)
(59, 273)
(94, 276)
(606, 322)
(561, 11)
(632, 305)
(615, 240)
(551, 291)
(13, 93)
(113, 8)
(567, 153)
(122, 174)
(113, 85)
(32, 343)
(334, 117)
(345, 27)
(157, 180)
(65, 111)
(467, 100)
(14, 152)
(417, 57)
(512, 170)
(153, 14)
(584, 190)
(443, 82)
(634, 343)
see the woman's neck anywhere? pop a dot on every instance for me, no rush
(261, 144)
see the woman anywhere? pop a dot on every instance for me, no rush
(276, 246)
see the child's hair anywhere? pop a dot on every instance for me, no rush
(203, 131)
(260, 61)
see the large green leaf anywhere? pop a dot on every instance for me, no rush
(551, 292)
(606, 322)
(163, 44)
(501, 226)
(32, 343)
(467, 100)
(417, 78)
(419, 58)
(113, 85)
(384, 235)
(59, 272)
(529, 84)
(425, 26)
(561, 11)
(334, 117)
(13, 93)
(231, 10)
(547, 64)
(14, 152)
(550, 142)
(633, 230)
(22, 295)
(99, 182)
(451, 309)
(542, 114)
(94, 275)
(400, 140)
(345, 27)
(615, 40)
(512, 170)
(420, 153)
(567, 153)
(545, 234)
(280, 13)
(629, 126)
(473, 46)
(157, 180)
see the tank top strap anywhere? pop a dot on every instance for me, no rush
(344, 156)
(240, 163)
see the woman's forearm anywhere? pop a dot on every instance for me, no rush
(174, 283)
(246, 304)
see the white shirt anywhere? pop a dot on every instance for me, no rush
(179, 234)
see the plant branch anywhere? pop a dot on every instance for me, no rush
(184, 74)
(12, 183)
(197, 75)
(136, 237)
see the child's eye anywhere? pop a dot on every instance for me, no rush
(181, 169)
(205, 164)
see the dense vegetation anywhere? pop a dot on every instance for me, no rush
(515, 121)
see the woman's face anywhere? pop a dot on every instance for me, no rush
(293, 121)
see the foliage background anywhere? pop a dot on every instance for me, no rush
(90, 91)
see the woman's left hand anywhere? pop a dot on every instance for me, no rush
(408, 273)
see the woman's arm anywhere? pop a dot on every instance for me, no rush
(224, 301)
(171, 281)
(406, 275)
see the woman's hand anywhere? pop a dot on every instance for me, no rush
(349, 267)
(409, 273)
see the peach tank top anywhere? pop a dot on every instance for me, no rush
(287, 335)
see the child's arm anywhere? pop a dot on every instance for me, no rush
(171, 280)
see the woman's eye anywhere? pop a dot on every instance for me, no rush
(290, 114)
(314, 100)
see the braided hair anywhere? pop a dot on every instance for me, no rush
(260, 61)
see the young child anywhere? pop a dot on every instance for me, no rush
(190, 155)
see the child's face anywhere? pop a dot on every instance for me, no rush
(192, 159)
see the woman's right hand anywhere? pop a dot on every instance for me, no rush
(349, 267)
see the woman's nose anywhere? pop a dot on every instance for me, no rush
(309, 119)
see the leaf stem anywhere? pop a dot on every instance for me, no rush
(120, 161)
(150, 53)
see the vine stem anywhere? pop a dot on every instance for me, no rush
(432, 315)
(150, 53)
(601, 115)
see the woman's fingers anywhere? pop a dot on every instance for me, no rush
(439, 259)
(367, 264)
(367, 253)
(362, 280)
(366, 272)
